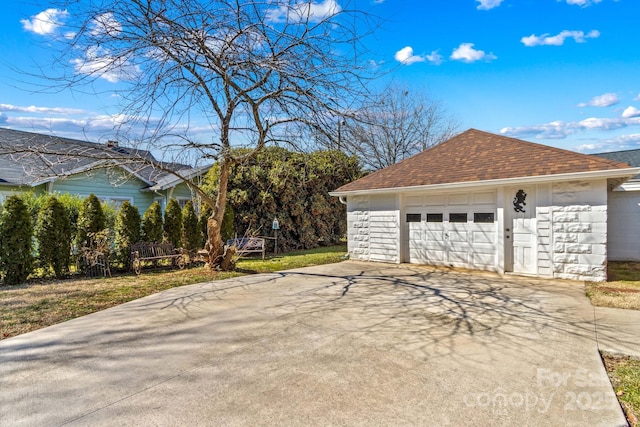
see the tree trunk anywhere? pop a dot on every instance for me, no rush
(227, 260)
(215, 246)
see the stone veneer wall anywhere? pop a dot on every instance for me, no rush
(579, 222)
(358, 227)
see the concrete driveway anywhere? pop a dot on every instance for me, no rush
(345, 344)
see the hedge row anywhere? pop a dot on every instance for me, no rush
(42, 232)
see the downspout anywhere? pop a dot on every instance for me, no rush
(164, 198)
(343, 200)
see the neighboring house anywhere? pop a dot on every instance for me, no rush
(489, 202)
(49, 164)
(624, 211)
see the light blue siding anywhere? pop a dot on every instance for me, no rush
(109, 184)
(112, 184)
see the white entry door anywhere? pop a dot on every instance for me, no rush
(520, 231)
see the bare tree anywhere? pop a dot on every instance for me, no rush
(249, 69)
(397, 123)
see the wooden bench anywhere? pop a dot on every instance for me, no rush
(155, 252)
(245, 245)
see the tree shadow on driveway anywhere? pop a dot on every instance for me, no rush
(350, 344)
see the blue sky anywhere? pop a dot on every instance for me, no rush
(559, 72)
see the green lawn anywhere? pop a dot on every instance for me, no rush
(624, 373)
(42, 303)
(292, 260)
(621, 290)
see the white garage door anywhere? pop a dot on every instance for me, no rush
(459, 230)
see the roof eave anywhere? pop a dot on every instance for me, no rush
(614, 173)
(40, 182)
(136, 174)
(175, 180)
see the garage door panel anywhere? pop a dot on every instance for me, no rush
(415, 235)
(480, 237)
(483, 249)
(488, 259)
(458, 236)
(434, 247)
(459, 257)
(434, 256)
(434, 235)
(459, 246)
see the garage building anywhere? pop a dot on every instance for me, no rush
(485, 201)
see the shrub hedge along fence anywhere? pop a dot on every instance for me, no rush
(39, 234)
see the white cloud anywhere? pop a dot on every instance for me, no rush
(630, 112)
(303, 11)
(45, 22)
(560, 129)
(406, 56)
(633, 138)
(637, 98)
(77, 127)
(41, 110)
(606, 100)
(594, 123)
(466, 53)
(621, 142)
(106, 25)
(583, 3)
(435, 58)
(98, 62)
(558, 40)
(589, 148)
(488, 4)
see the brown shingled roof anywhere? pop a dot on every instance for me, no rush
(480, 156)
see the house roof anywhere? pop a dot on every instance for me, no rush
(631, 157)
(476, 156)
(170, 180)
(29, 159)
